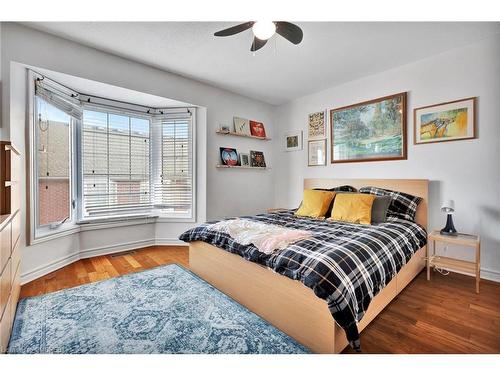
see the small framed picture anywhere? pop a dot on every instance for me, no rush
(317, 153)
(241, 126)
(257, 159)
(317, 125)
(228, 156)
(244, 160)
(293, 141)
(224, 129)
(257, 129)
(450, 121)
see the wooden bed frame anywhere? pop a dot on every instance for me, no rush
(288, 304)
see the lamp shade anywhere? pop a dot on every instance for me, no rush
(448, 206)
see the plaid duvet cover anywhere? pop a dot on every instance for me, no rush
(344, 264)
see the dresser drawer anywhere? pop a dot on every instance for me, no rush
(15, 259)
(5, 246)
(5, 329)
(14, 294)
(5, 286)
(16, 228)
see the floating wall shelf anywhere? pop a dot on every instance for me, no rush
(239, 166)
(242, 135)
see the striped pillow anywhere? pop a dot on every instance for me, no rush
(403, 205)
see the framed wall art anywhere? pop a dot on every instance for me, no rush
(244, 159)
(293, 141)
(257, 129)
(374, 130)
(450, 121)
(316, 126)
(228, 156)
(241, 126)
(257, 159)
(316, 153)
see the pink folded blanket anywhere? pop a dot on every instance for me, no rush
(266, 237)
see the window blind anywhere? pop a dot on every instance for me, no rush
(115, 163)
(174, 189)
(59, 98)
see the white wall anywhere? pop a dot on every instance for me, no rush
(22, 45)
(466, 171)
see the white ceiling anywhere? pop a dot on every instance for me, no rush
(331, 53)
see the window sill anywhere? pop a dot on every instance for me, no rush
(113, 222)
(106, 223)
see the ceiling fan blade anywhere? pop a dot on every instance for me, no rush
(257, 44)
(235, 29)
(289, 31)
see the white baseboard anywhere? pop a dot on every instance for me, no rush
(45, 269)
(104, 250)
(488, 274)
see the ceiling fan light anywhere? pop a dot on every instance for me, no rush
(263, 30)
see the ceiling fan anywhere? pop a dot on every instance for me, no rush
(263, 30)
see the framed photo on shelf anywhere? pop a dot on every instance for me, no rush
(241, 126)
(316, 127)
(228, 156)
(224, 129)
(257, 129)
(449, 121)
(316, 153)
(293, 141)
(374, 130)
(244, 159)
(257, 159)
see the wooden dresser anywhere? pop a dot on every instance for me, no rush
(10, 230)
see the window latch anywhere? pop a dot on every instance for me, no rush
(57, 225)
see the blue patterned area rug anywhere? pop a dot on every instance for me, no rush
(163, 310)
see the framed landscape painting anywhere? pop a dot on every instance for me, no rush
(450, 121)
(374, 130)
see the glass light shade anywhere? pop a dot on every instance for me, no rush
(263, 30)
(448, 206)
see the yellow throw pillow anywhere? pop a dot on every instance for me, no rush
(315, 203)
(353, 208)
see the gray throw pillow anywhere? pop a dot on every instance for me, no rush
(380, 208)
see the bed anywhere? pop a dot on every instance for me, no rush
(288, 304)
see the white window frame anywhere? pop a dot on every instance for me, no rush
(47, 232)
(76, 223)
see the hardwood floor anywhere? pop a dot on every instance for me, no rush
(443, 315)
(104, 267)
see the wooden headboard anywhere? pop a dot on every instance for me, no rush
(419, 188)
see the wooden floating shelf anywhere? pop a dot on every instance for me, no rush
(243, 135)
(239, 166)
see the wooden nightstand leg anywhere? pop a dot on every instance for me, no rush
(478, 266)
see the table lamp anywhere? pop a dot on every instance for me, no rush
(448, 207)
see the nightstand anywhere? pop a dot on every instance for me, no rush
(451, 264)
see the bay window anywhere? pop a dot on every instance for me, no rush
(97, 159)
